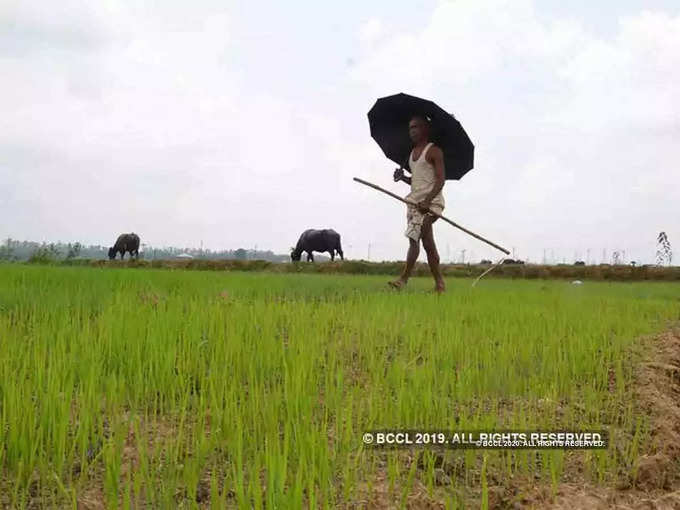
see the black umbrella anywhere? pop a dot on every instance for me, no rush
(389, 120)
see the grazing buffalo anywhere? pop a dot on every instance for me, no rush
(511, 261)
(579, 263)
(125, 242)
(317, 240)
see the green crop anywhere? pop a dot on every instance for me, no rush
(187, 389)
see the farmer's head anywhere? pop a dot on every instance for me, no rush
(419, 129)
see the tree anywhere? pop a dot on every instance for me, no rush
(240, 254)
(663, 251)
(6, 251)
(44, 254)
(73, 250)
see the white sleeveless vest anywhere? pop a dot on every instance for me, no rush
(423, 178)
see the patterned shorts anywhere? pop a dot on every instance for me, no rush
(414, 220)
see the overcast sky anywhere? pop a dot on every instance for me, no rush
(242, 123)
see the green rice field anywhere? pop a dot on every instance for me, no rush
(155, 388)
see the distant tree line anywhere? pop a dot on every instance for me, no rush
(11, 249)
(152, 253)
(14, 250)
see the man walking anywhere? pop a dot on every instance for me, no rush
(427, 181)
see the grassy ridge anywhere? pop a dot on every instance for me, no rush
(528, 271)
(253, 389)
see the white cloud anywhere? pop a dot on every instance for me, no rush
(371, 30)
(154, 131)
(127, 116)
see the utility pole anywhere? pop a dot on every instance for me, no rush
(588, 257)
(544, 261)
(369, 251)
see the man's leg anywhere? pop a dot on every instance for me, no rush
(413, 220)
(432, 254)
(411, 257)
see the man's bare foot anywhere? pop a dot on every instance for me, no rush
(439, 288)
(397, 284)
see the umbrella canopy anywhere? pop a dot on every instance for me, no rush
(389, 120)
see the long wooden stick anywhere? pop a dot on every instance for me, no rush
(374, 186)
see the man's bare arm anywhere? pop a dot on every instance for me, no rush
(436, 157)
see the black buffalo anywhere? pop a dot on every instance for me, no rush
(125, 243)
(579, 263)
(317, 240)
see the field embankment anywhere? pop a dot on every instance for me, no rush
(601, 272)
